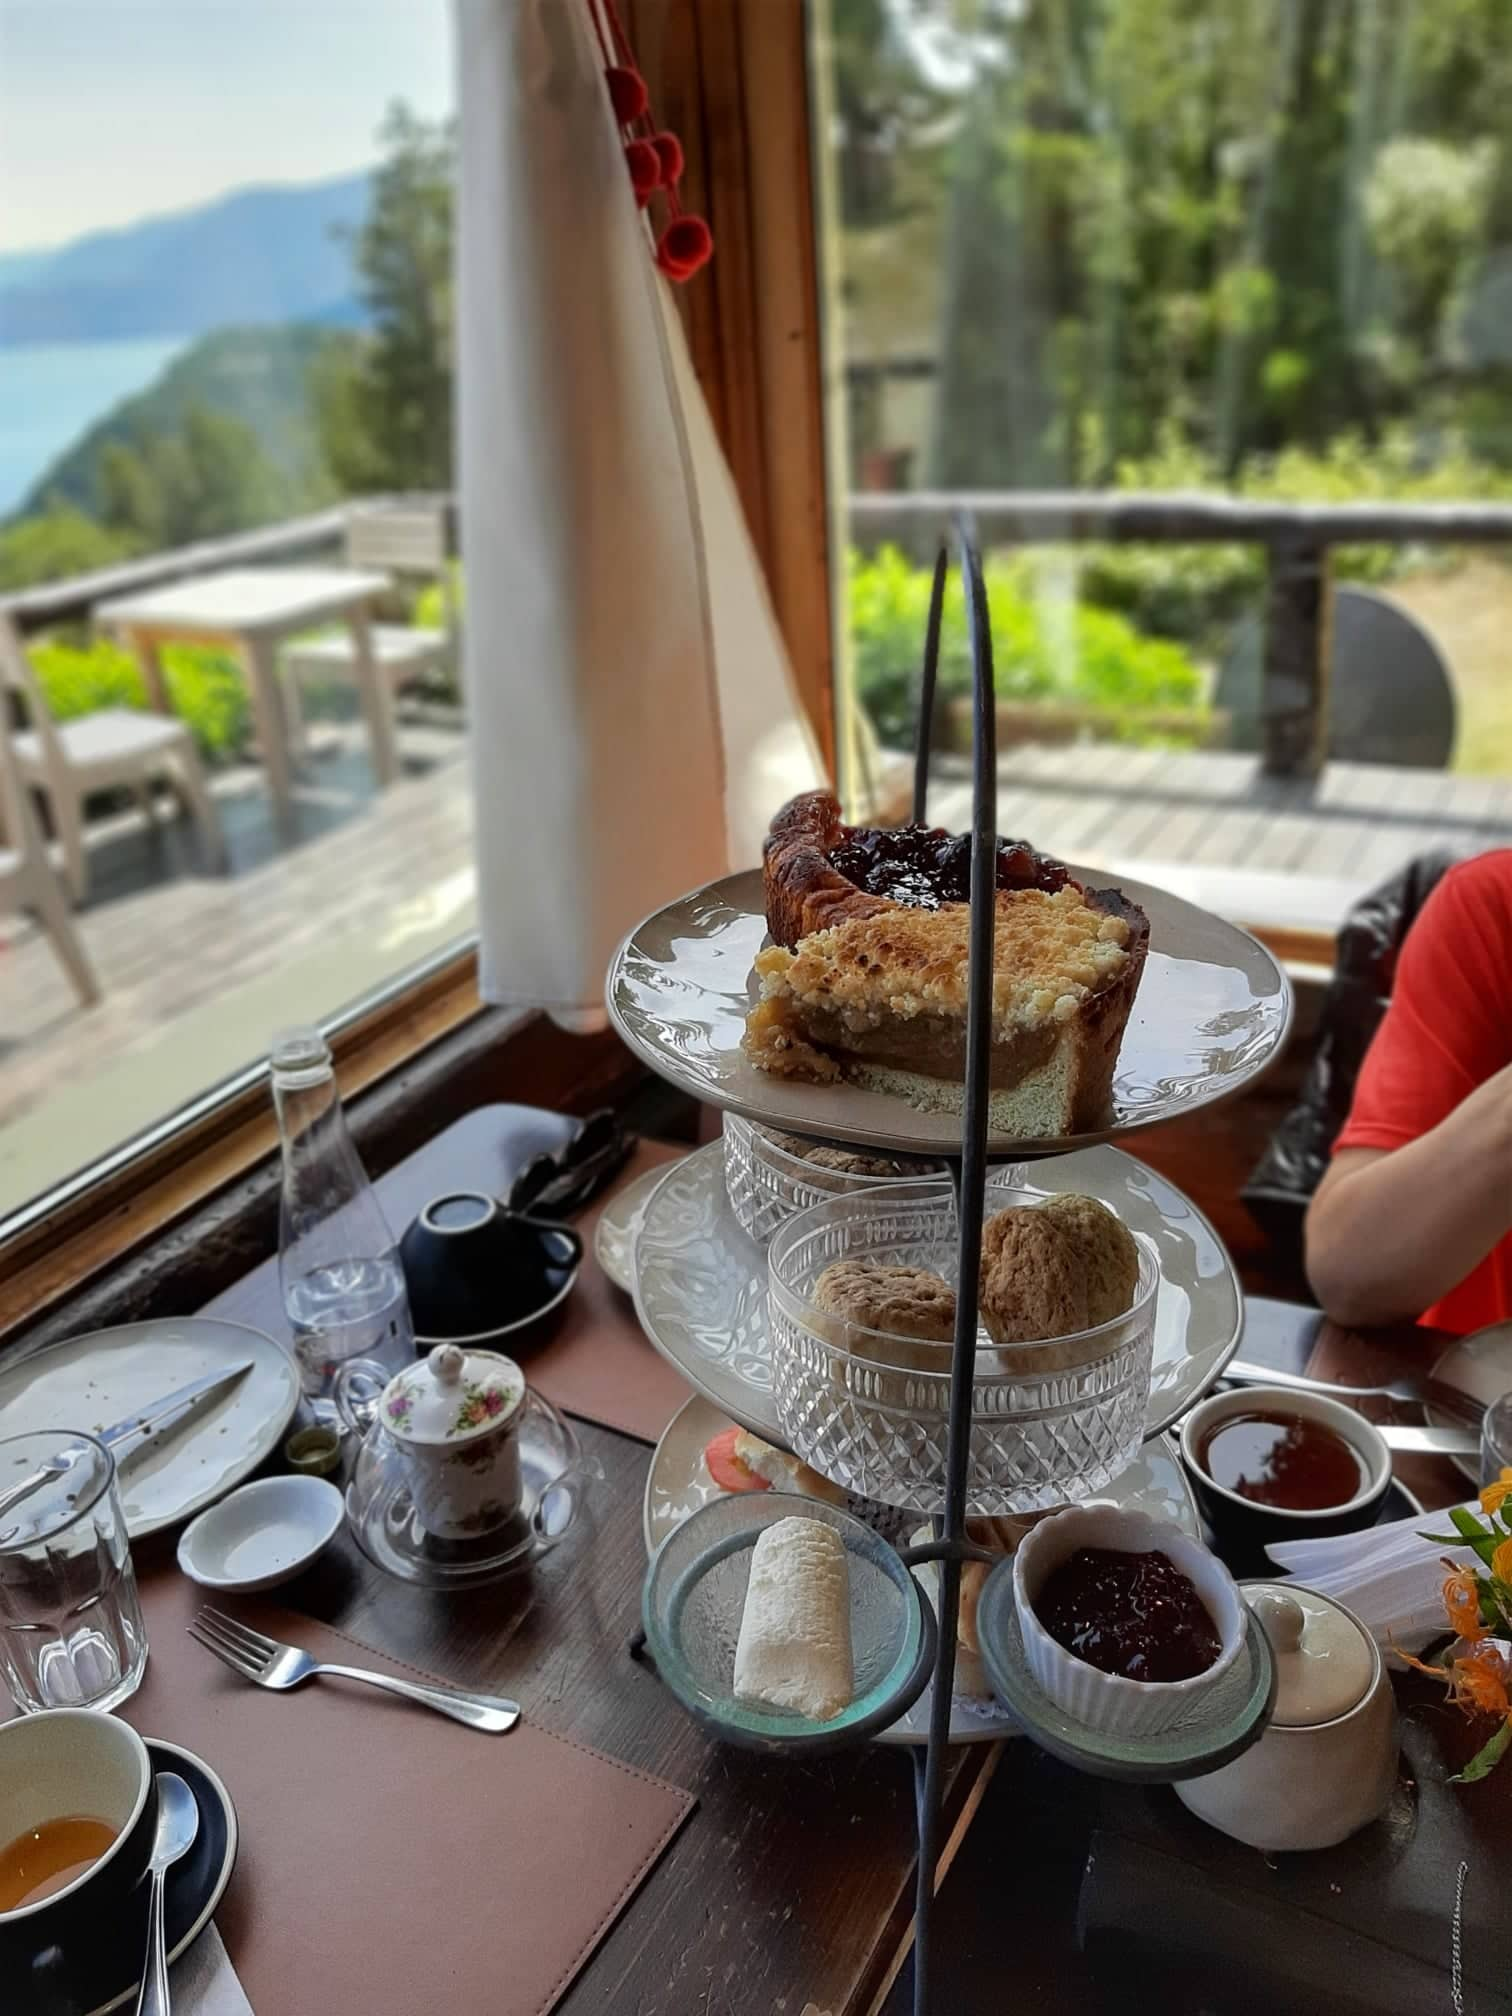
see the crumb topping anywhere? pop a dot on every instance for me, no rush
(1051, 952)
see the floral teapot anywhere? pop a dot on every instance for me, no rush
(453, 1418)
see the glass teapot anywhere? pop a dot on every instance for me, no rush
(461, 1469)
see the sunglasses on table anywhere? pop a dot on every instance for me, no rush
(574, 1175)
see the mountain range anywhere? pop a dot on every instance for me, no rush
(259, 255)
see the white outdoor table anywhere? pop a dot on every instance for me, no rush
(254, 609)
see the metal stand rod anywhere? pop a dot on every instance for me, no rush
(969, 1177)
(925, 729)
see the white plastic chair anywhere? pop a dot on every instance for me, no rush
(28, 880)
(405, 540)
(67, 760)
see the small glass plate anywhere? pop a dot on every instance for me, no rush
(553, 1471)
(695, 1595)
(1220, 1726)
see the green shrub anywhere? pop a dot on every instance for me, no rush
(205, 686)
(1042, 650)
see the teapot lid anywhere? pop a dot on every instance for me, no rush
(452, 1396)
(1325, 1662)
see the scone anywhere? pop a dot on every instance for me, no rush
(906, 1302)
(1032, 1283)
(1106, 1253)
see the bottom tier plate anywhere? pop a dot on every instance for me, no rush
(678, 1483)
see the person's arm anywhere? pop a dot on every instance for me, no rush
(1392, 1231)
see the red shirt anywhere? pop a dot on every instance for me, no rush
(1447, 1030)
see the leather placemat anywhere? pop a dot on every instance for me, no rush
(597, 1362)
(391, 1861)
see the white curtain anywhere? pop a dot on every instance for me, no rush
(632, 716)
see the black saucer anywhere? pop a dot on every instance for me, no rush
(521, 1332)
(107, 1977)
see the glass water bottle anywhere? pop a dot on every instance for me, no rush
(343, 1287)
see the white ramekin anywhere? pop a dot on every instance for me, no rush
(1106, 1701)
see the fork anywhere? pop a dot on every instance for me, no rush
(1412, 1390)
(267, 1662)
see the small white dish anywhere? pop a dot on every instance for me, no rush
(1107, 1701)
(261, 1535)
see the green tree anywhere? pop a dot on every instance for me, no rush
(54, 545)
(206, 478)
(384, 401)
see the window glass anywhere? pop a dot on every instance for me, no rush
(237, 800)
(1253, 247)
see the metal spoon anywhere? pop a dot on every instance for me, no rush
(178, 1823)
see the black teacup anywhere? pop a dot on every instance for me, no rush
(475, 1268)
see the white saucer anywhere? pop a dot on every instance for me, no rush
(701, 1282)
(619, 1222)
(261, 1535)
(678, 1482)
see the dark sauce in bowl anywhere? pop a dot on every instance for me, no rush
(925, 866)
(1288, 1460)
(1136, 1615)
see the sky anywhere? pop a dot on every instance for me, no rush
(111, 110)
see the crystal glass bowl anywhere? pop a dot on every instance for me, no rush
(694, 1597)
(1051, 1422)
(768, 1183)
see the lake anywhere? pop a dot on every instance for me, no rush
(49, 394)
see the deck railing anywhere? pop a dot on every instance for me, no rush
(1298, 540)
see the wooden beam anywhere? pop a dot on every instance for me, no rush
(731, 80)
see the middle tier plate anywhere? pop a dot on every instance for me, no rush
(701, 1282)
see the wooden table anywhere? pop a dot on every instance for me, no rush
(254, 609)
(1071, 1893)
(790, 1887)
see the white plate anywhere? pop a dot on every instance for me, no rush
(619, 1221)
(1212, 1010)
(261, 1535)
(701, 1282)
(93, 1382)
(678, 1483)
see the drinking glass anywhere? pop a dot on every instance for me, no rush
(1496, 1440)
(71, 1633)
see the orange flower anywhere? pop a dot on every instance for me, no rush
(1462, 1605)
(1494, 1496)
(1480, 1684)
(1501, 1562)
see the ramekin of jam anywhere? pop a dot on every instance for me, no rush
(1126, 1621)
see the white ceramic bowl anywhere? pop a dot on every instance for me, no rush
(1106, 1701)
(261, 1535)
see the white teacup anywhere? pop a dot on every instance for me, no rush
(68, 1763)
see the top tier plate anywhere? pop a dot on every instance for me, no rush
(1212, 1010)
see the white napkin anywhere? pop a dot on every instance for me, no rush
(204, 1982)
(1389, 1576)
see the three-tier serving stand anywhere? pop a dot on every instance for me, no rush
(1226, 1726)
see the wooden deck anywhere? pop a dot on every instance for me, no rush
(1262, 850)
(199, 970)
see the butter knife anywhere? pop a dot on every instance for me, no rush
(122, 1435)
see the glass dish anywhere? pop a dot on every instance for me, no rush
(1051, 1422)
(694, 1597)
(768, 1183)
